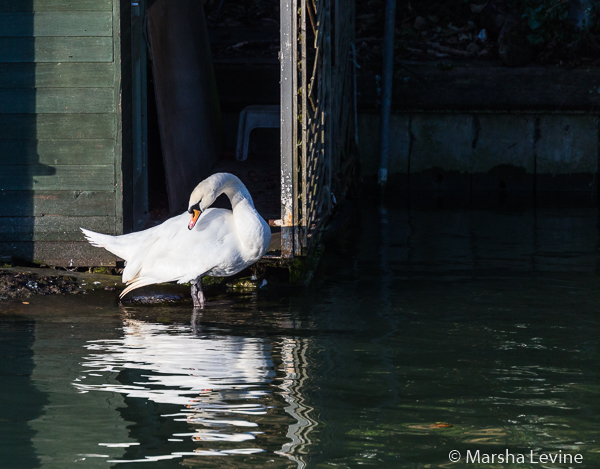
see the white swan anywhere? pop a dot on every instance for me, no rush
(215, 242)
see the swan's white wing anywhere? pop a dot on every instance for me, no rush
(123, 246)
(175, 253)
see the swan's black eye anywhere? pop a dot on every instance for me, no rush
(194, 207)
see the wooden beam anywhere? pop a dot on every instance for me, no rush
(57, 75)
(57, 126)
(43, 177)
(56, 49)
(57, 100)
(52, 228)
(64, 254)
(120, 155)
(55, 5)
(289, 132)
(56, 23)
(57, 152)
(65, 203)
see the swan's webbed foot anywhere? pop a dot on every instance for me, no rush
(197, 294)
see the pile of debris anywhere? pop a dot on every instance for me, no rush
(562, 32)
(515, 32)
(23, 285)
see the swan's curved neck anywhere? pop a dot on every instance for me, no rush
(251, 226)
(236, 192)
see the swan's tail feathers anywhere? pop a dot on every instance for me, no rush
(114, 244)
(137, 283)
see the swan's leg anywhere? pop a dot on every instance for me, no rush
(196, 317)
(197, 293)
(258, 270)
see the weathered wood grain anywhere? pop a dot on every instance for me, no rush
(56, 23)
(57, 126)
(57, 75)
(57, 100)
(121, 196)
(56, 5)
(57, 152)
(64, 254)
(56, 49)
(45, 177)
(52, 228)
(65, 203)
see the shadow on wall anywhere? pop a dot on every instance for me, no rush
(25, 149)
(23, 160)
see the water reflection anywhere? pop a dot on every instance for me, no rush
(217, 391)
(26, 402)
(395, 356)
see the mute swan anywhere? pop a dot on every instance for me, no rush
(215, 241)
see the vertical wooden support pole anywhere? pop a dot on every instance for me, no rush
(140, 211)
(122, 216)
(289, 112)
(187, 101)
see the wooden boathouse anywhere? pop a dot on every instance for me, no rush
(74, 131)
(66, 120)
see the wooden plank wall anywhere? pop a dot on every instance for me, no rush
(59, 129)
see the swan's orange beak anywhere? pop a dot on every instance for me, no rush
(195, 216)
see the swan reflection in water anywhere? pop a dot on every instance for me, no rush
(223, 387)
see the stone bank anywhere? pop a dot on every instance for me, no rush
(485, 128)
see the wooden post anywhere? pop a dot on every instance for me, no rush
(289, 133)
(189, 114)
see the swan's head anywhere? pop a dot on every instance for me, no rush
(205, 193)
(203, 196)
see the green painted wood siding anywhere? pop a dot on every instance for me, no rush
(58, 75)
(56, 5)
(60, 136)
(56, 24)
(63, 126)
(56, 49)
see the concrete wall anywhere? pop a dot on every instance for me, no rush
(485, 151)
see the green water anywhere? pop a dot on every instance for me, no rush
(429, 331)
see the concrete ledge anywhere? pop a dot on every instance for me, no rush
(567, 152)
(502, 156)
(483, 152)
(368, 139)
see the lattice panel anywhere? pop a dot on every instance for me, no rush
(324, 83)
(315, 75)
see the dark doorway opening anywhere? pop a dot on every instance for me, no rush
(240, 81)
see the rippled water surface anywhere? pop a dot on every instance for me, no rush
(428, 331)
